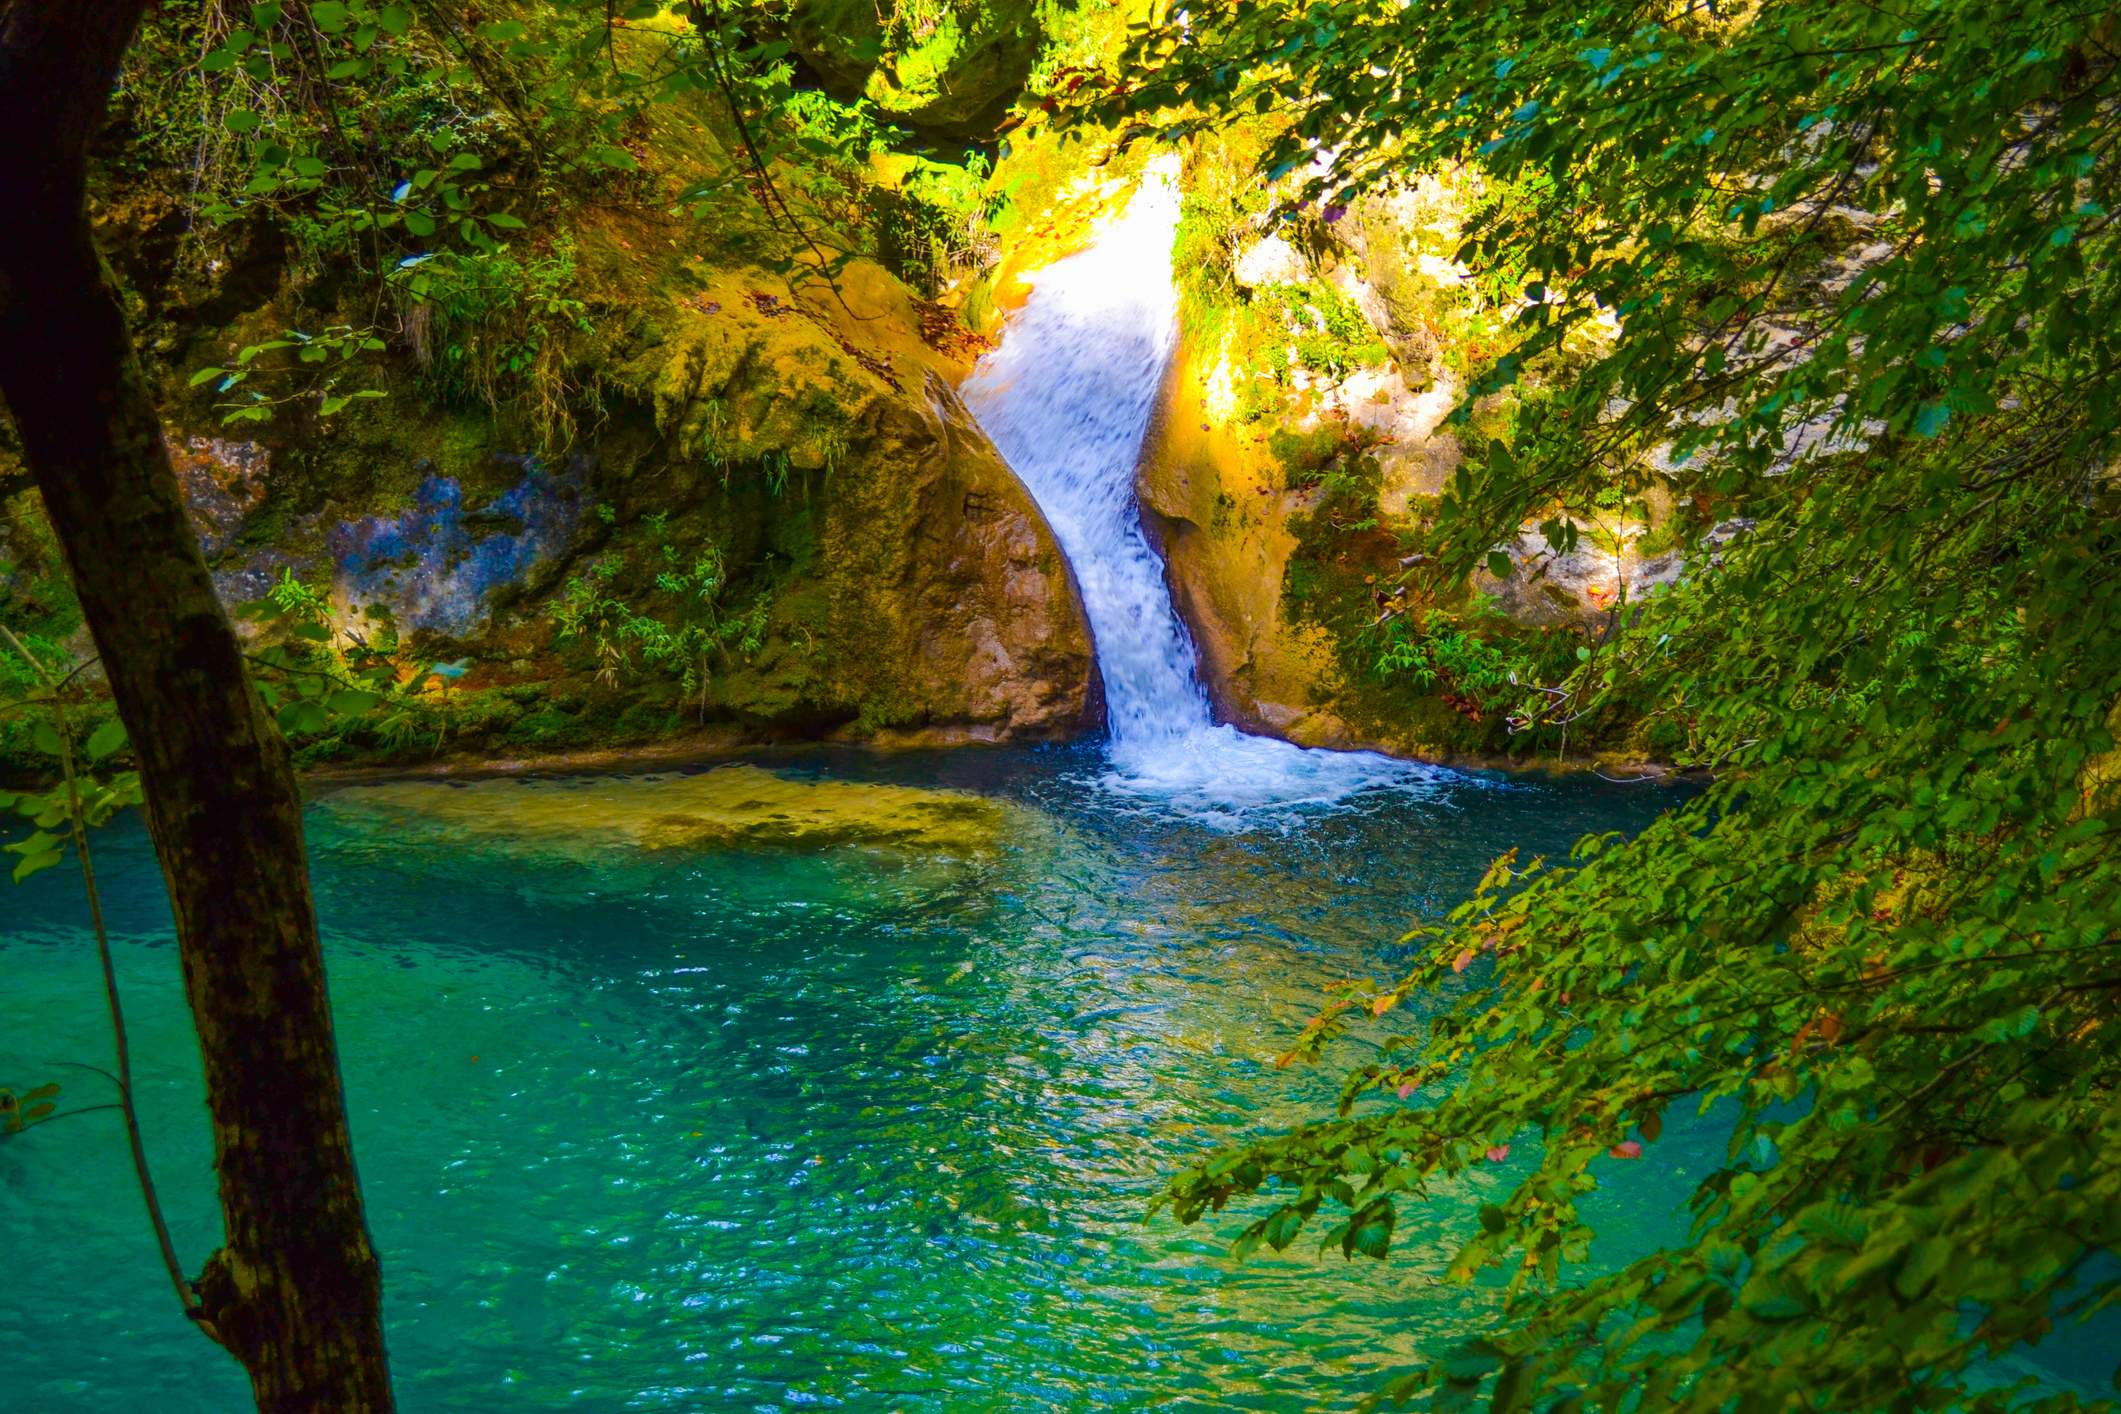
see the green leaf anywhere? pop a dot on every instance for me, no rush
(1498, 564)
(1470, 1362)
(2012, 1026)
(302, 717)
(1925, 1262)
(38, 852)
(1282, 1228)
(1370, 1231)
(106, 740)
(1513, 1389)
(351, 702)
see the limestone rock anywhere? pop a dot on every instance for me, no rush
(1218, 512)
(1271, 260)
(1583, 585)
(223, 482)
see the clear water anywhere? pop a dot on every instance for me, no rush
(1067, 397)
(852, 1129)
(712, 1131)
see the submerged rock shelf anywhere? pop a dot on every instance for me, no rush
(731, 807)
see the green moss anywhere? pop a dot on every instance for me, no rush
(1433, 675)
(549, 726)
(951, 67)
(1329, 329)
(481, 713)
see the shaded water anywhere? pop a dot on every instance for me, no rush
(859, 1129)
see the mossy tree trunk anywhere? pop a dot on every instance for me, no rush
(295, 1293)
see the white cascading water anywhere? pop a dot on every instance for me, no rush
(1067, 397)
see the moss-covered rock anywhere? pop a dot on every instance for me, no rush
(928, 595)
(951, 69)
(879, 573)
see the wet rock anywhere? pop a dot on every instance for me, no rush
(437, 564)
(935, 604)
(1216, 506)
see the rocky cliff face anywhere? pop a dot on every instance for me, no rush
(873, 569)
(1219, 512)
(925, 594)
(1298, 457)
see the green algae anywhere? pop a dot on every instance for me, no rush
(731, 807)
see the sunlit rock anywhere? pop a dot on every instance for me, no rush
(1271, 261)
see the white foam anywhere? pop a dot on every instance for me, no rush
(1067, 396)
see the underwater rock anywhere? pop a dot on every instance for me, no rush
(730, 807)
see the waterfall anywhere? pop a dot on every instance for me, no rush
(1067, 397)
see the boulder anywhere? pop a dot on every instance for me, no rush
(934, 603)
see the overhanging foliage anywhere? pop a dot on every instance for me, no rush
(1859, 276)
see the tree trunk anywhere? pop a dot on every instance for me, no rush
(296, 1291)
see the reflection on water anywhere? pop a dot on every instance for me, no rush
(867, 1128)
